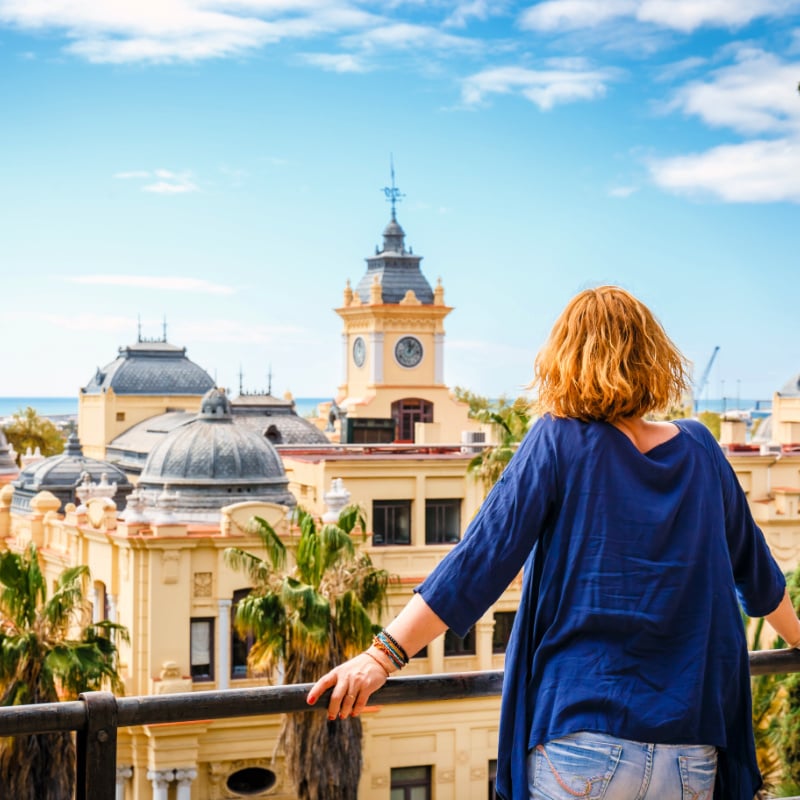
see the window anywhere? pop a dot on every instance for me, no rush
(503, 622)
(456, 646)
(442, 521)
(492, 779)
(120, 416)
(391, 522)
(240, 645)
(411, 783)
(407, 413)
(202, 649)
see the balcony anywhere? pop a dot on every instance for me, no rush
(97, 716)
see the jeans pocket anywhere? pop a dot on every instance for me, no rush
(568, 768)
(698, 774)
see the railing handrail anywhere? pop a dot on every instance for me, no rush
(97, 716)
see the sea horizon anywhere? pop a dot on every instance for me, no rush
(68, 406)
(305, 406)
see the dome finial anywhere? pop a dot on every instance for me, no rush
(393, 194)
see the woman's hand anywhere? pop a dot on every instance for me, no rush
(353, 682)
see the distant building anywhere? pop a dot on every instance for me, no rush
(204, 465)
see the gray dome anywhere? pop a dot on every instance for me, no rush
(275, 419)
(211, 462)
(62, 474)
(396, 269)
(154, 368)
(791, 388)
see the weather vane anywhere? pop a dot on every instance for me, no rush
(393, 194)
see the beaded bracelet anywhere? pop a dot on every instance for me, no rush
(384, 645)
(400, 649)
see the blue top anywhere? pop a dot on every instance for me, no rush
(629, 623)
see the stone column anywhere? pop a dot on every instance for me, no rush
(438, 355)
(112, 607)
(184, 776)
(123, 773)
(160, 779)
(223, 670)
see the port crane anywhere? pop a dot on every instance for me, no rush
(697, 389)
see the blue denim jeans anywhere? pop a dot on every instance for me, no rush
(595, 766)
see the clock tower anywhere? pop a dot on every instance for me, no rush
(393, 350)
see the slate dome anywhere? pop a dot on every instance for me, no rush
(791, 388)
(211, 463)
(396, 269)
(62, 474)
(151, 368)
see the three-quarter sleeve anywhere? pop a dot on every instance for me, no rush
(500, 538)
(760, 583)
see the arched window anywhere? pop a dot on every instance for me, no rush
(406, 413)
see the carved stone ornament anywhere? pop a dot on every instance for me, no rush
(202, 584)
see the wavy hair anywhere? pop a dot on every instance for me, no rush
(608, 357)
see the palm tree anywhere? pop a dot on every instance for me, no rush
(310, 609)
(511, 421)
(40, 663)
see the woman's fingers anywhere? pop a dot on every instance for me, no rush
(353, 682)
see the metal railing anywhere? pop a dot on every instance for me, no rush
(97, 716)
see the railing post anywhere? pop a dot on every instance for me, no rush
(97, 748)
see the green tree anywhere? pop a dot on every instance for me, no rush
(511, 421)
(40, 663)
(311, 608)
(28, 429)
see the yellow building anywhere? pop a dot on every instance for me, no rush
(768, 468)
(157, 564)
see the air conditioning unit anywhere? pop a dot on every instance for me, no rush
(770, 449)
(472, 441)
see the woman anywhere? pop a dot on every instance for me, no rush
(627, 671)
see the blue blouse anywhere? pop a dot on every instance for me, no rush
(634, 568)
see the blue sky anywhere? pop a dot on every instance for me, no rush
(221, 162)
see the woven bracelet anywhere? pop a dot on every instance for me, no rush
(400, 649)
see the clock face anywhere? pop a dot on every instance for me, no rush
(359, 351)
(408, 351)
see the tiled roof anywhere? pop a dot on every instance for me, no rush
(151, 368)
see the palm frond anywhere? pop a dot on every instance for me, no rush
(256, 568)
(354, 627)
(352, 517)
(335, 545)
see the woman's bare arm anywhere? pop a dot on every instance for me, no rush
(785, 622)
(354, 681)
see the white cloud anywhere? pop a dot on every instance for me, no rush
(574, 14)
(132, 174)
(688, 15)
(336, 62)
(162, 31)
(474, 9)
(622, 191)
(165, 181)
(758, 94)
(407, 36)
(752, 172)
(546, 88)
(159, 282)
(681, 15)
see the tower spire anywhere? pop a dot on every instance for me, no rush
(392, 193)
